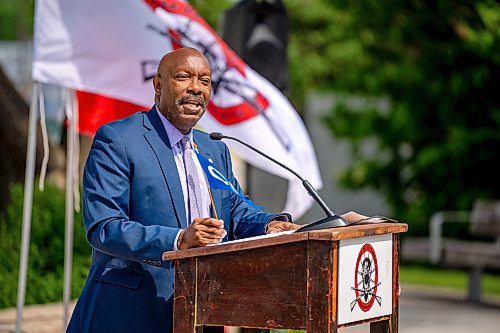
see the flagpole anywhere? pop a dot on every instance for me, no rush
(68, 238)
(29, 179)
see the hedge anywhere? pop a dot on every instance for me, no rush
(46, 255)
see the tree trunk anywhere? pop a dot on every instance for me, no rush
(14, 113)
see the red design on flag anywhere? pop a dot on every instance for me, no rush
(96, 110)
(185, 9)
(238, 113)
(229, 80)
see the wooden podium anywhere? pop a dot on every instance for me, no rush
(318, 281)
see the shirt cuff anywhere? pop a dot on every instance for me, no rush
(175, 241)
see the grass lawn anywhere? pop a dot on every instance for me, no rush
(421, 274)
(438, 277)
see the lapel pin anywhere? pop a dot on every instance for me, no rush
(210, 160)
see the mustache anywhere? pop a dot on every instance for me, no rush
(190, 98)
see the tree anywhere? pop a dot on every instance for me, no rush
(436, 62)
(14, 112)
(13, 132)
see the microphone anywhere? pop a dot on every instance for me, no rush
(331, 220)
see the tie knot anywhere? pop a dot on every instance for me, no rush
(186, 143)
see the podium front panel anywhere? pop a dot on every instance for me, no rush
(365, 278)
(265, 287)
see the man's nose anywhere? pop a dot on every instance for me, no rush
(195, 86)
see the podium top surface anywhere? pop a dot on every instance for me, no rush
(334, 234)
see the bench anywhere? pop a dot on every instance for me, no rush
(475, 256)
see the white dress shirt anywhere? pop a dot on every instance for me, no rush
(174, 137)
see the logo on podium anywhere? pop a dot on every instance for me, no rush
(366, 279)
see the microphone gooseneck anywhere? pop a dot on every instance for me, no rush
(331, 220)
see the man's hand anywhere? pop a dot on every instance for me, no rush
(278, 226)
(201, 232)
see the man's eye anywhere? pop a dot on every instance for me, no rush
(205, 80)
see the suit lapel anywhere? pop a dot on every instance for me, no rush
(205, 151)
(157, 138)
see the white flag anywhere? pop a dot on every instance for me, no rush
(113, 47)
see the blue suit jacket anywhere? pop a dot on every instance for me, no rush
(133, 209)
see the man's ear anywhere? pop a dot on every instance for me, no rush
(157, 84)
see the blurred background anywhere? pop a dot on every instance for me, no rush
(401, 103)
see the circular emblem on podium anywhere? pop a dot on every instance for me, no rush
(366, 279)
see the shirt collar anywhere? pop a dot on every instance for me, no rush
(174, 135)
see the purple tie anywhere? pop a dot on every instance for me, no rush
(192, 180)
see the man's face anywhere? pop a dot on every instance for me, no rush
(182, 88)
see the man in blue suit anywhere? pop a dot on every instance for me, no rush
(137, 203)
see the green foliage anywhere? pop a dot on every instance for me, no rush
(436, 63)
(46, 255)
(16, 19)
(320, 46)
(211, 11)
